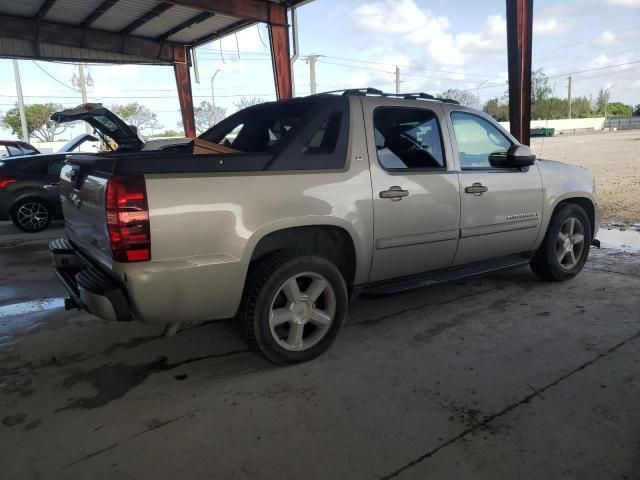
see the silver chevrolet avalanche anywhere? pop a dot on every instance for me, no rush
(281, 212)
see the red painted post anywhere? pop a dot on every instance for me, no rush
(519, 43)
(183, 84)
(280, 53)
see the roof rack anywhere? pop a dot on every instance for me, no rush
(379, 93)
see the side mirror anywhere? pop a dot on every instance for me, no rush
(517, 156)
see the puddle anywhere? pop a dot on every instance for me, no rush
(19, 318)
(623, 240)
(34, 306)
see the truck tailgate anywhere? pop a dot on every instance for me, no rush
(82, 193)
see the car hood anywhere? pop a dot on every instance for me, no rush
(105, 122)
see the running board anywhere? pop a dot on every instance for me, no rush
(396, 285)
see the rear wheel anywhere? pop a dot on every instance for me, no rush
(565, 247)
(31, 215)
(293, 307)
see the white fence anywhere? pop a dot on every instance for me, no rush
(567, 125)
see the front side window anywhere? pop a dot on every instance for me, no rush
(407, 138)
(477, 140)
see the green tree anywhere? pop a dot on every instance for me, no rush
(39, 123)
(497, 109)
(206, 116)
(170, 133)
(601, 101)
(137, 115)
(540, 89)
(619, 109)
(245, 102)
(463, 97)
(636, 110)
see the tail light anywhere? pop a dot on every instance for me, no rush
(4, 181)
(128, 218)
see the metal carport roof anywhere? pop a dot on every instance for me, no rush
(122, 31)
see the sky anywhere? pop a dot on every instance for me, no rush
(437, 44)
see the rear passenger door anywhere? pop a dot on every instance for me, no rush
(501, 207)
(416, 202)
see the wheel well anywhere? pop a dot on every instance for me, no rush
(330, 242)
(586, 205)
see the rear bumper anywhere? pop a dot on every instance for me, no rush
(89, 288)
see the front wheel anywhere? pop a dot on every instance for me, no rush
(565, 247)
(293, 307)
(31, 215)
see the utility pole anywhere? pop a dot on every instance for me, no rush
(397, 79)
(569, 95)
(311, 60)
(23, 115)
(81, 82)
(478, 92)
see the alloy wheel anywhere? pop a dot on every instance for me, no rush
(32, 215)
(570, 243)
(302, 311)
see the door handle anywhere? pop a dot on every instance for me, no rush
(394, 193)
(51, 186)
(476, 189)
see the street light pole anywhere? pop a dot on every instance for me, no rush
(23, 116)
(213, 98)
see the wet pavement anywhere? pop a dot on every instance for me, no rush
(501, 376)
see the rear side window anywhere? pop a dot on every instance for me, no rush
(408, 138)
(260, 128)
(477, 139)
(14, 151)
(323, 141)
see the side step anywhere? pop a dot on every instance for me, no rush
(402, 284)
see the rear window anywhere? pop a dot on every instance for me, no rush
(260, 128)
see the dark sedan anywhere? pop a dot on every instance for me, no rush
(16, 148)
(29, 187)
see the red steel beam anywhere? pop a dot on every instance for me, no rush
(183, 84)
(519, 29)
(280, 53)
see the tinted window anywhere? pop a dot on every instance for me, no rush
(323, 141)
(259, 128)
(477, 139)
(28, 149)
(14, 151)
(407, 138)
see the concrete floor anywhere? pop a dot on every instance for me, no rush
(501, 376)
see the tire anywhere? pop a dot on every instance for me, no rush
(297, 331)
(31, 215)
(561, 255)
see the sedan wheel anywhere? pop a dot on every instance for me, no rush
(31, 216)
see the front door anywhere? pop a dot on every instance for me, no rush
(501, 207)
(416, 202)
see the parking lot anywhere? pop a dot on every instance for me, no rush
(500, 376)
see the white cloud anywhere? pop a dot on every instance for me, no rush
(547, 26)
(405, 19)
(625, 3)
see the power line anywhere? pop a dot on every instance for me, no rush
(53, 78)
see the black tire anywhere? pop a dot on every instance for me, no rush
(264, 287)
(41, 216)
(545, 263)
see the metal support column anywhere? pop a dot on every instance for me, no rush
(183, 84)
(280, 54)
(519, 29)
